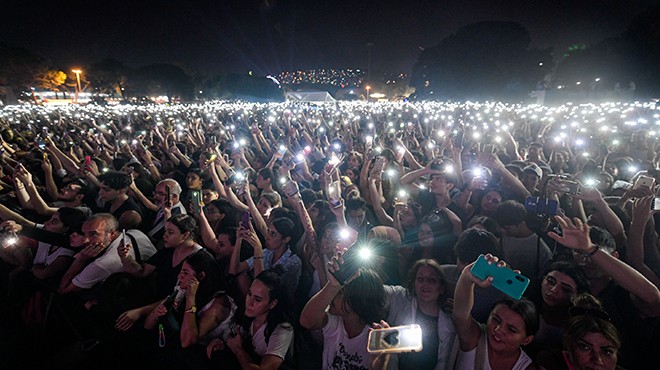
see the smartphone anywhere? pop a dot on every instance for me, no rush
(211, 159)
(458, 139)
(568, 186)
(352, 262)
(504, 279)
(405, 338)
(282, 150)
(656, 204)
(41, 144)
(196, 200)
(644, 182)
(169, 301)
(620, 184)
(245, 220)
(290, 188)
(334, 194)
(88, 160)
(541, 206)
(123, 237)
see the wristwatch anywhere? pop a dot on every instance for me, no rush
(192, 309)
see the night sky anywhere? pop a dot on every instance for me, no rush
(273, 36)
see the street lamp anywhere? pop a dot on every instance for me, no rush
(368, 89)
(77, 72)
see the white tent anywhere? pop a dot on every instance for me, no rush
(309, 96)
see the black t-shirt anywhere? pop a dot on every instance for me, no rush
(166, 274)
(427, 358)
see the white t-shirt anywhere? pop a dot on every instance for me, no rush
(43, 257)
(341, 352)
(280, 343)
(466, 360)
(109, 263)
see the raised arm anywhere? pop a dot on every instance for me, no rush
(575, 235)
(641, 222)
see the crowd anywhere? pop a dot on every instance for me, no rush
(213, 235)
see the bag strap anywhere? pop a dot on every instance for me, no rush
(136, 250)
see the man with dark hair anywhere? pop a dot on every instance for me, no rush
(441, 185)
(471, 243)
(522, 248)
(71, 195)
(356, 217)
(113, 194)
(209, 192)
(631, 300)
(265, 180)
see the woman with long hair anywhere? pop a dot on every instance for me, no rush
(196, 311)
(421, 303)
(353, 307)
(179, 243)
(511, 325)
(553, 295)
(265, 336)
(277, 252)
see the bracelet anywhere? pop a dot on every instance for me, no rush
(259, 257)
(590, 254)
(192, 309)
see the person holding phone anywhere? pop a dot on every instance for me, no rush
(353, 307)
(265, 325)
(199, 311)
(511, 324)
(280, 233)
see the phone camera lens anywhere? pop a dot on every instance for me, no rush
(509, 281)
(519, 278)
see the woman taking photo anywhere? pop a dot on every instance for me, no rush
(353, 307)
(511, 325)
(277, 252)
(265, 337)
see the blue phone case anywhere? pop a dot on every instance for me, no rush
(504, 279)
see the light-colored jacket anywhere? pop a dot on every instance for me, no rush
(403, 311)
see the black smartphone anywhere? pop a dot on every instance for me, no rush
(245, 220)
(458, 139)
(196, 200)
(168, 194)
(352, 262)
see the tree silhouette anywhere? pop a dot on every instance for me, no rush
(480, 61)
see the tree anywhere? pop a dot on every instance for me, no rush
(164, 79)
(483, 60)
(109, 76)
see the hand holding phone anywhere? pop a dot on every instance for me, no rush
(505, 280)
(168, 196)
(196, 201)
(245, 220)
(404, 338)
(353, 259)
